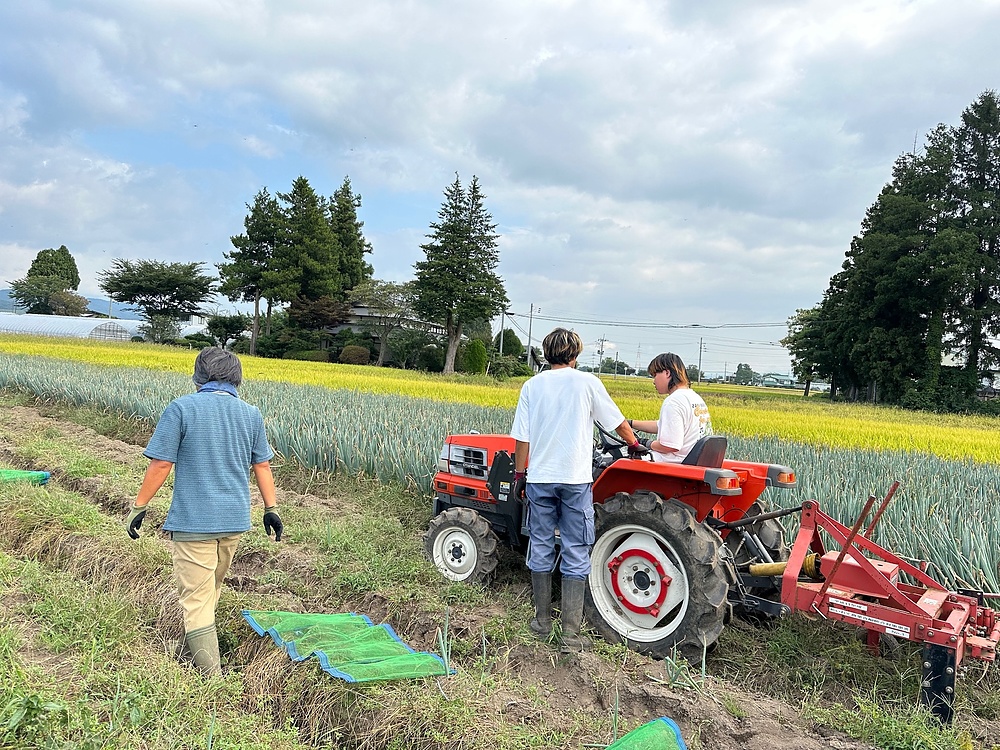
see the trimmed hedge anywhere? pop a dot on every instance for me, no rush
(314, 355)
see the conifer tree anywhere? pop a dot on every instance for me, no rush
(457, 282)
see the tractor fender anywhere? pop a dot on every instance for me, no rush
(697, 486)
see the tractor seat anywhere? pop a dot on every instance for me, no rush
(708, 451)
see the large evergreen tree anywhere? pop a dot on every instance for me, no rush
(343, 208)
(976, 184)
(307, 257)
(457, 282)
(49, 286)
(58, 262)
(920, 281)
(243, 277)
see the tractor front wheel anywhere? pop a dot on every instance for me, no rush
(656, 580)
(462, 546)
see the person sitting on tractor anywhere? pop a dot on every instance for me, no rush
(554, 422)
(684, 417)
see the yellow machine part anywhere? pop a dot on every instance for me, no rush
(810, 566)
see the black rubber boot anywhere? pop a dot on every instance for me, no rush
(203, 644)
(541, 590)
(572, 616)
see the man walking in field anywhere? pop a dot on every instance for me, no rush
(212, 440)
(554, 423)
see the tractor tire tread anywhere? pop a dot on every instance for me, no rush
(487, 542)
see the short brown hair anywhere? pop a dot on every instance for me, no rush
(671, 363)
(562, 346)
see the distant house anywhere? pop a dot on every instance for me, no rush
(362, 318)
(777, 380)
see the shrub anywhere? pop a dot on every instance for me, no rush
(509, 367)
(354, 355)
(474, 357)
(310, 355)
(197, 341)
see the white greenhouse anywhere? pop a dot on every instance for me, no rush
(106, 329)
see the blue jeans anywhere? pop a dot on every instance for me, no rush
(570, 508)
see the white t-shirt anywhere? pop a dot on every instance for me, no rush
(683, 421)
(555, 414)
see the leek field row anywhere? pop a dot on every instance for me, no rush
(948, 511)
(736, 411)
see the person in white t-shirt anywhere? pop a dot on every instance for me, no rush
(554, 423)
(684, 417)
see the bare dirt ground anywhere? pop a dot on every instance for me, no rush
(571, 684)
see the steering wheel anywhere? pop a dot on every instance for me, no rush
(612, 444)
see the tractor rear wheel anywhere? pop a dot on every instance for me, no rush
(656, 582)
(462, 546)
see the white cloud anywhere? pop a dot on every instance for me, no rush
(706, 162)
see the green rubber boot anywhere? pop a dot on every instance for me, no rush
(572, 616)
(203, 644)
(541, 590)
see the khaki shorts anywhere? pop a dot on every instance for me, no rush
(199, 569)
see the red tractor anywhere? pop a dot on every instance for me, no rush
(680, 546)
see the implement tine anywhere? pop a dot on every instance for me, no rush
(881, 509)
(847, 545)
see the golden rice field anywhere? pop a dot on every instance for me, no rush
(740, 411)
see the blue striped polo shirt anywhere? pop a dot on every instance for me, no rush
(213, 438)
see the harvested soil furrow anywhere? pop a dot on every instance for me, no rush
(514, 685)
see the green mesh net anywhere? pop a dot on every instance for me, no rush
(33, 477)
(659, 734)
(347, 646)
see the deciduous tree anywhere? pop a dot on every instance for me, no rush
(226, 328)
(390, 307)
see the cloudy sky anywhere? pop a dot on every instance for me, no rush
(665, 175)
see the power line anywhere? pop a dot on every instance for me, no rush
(637, 324)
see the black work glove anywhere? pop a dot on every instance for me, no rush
(273, 524)
(637, 450)
(520, 484)
(134, 520)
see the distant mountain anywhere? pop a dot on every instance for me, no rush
(97, 305)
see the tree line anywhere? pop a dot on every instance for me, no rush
(302, 262)
(912, 317)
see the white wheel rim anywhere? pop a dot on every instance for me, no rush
(455, 553)
(636, 564)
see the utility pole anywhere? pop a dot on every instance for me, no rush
(616, 365)
(637, 350)
(531, 315)
(600, 354)
(501, 333)
(701, 347)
